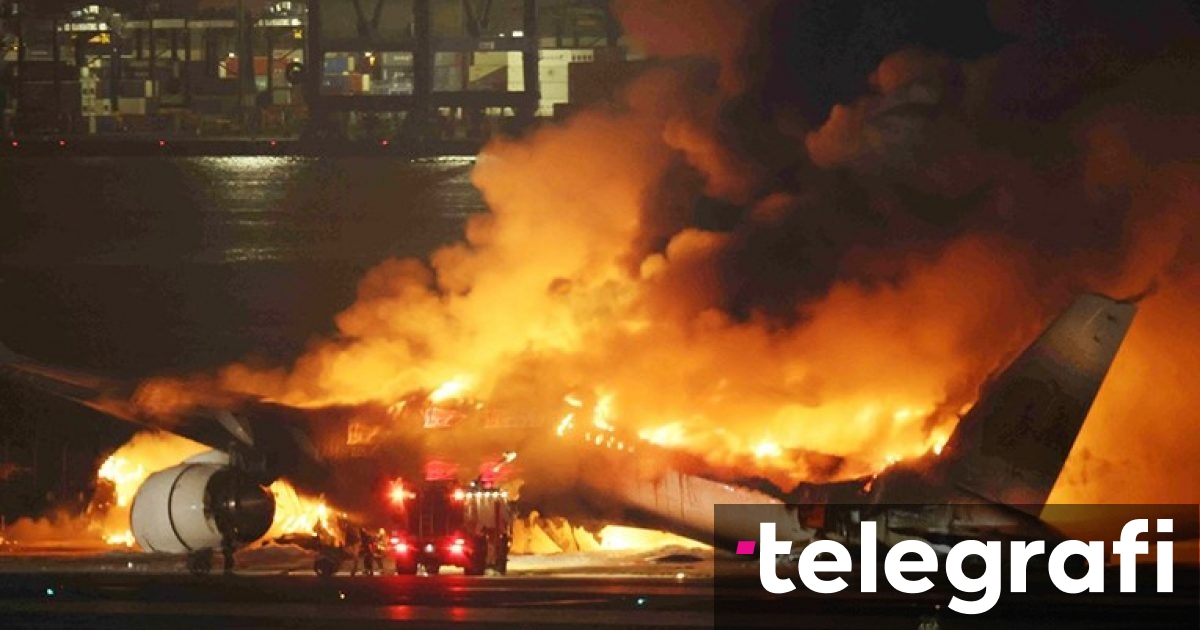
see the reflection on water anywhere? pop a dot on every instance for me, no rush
(149, 264)
(228, 209)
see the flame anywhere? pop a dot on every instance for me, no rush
(834, 314)
(603, 413)
(126, 477)
(450, 390)
(938, 441)
(122, 539)
(622, 538)
(767, 449)
(565, 424)
(296, 513)
(668, 435)
(537, 535)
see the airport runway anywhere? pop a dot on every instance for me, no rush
(116, 600)
(176, 601)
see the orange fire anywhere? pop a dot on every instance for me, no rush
(125, 478)
(621, 538)
(296, 513)
(589, 275)
(536, 535)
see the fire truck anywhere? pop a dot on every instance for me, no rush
(444, 523)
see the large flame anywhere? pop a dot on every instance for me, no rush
(621, 538)
(913, 241)
(537, 535)
(296, 513)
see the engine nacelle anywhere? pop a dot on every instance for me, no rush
(192, 506)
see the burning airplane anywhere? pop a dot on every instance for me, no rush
(722, 276)
(1007, 451)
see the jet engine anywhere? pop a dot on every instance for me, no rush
(192, 506)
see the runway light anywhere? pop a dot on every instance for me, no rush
(50, 592)
(641, 601)
(680, 576)
(341, 595)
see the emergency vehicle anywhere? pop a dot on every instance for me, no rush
(444, 523)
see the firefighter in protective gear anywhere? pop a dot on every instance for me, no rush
(365, 552)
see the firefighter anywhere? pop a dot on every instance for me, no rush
(366, 551)
(350, 542)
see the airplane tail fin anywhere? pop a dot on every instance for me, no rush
(1011, 446)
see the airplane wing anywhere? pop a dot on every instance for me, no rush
(1011, 446)
(94, 392)
(1009, 449)
(274, 438)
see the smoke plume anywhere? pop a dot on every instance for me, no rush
(769, 247)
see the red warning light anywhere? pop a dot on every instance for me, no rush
(162, 143)
(62, 143)
(384, 143)
(274, 143)
(15, 144)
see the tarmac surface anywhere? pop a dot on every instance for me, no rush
(274, 586)
(581, 591)
(182, 601)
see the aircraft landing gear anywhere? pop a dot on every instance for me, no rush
(326, 566)
(227, 550)
(200, 562)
